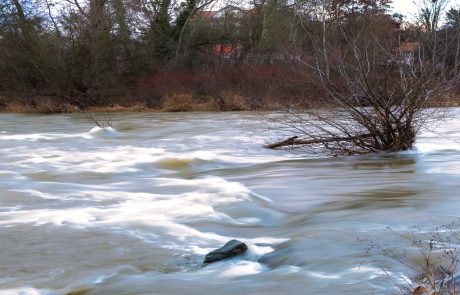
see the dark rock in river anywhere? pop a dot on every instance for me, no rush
(229, 250)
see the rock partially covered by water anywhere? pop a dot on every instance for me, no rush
(277, 258)
(293, 252)
(230, 249)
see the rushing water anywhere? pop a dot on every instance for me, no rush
(134, 209)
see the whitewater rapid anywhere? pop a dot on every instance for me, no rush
(135, 207)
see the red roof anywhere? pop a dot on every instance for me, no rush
(409, 46)
(224, 49)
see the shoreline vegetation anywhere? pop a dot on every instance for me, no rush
(183, 102)
(197, 55)
(230, 88)
(56, 105)
(242, 88)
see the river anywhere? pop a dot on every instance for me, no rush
(133, 209)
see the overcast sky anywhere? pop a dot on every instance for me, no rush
(410, 7)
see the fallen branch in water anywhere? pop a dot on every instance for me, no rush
(292, 141)
(287, 142)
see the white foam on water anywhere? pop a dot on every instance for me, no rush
(229, 192)
(443, 137)
(162, 213)
(257, 251)
(321, 275)
(31, 137)
(39, 194)
(53, 136)
(165, 216)
(446, 169)
(24, 291)
(43, 136)
(97, 129)
(266, 240)
(426, 147)
(39, 217)
(125, 158)
(243, 268)
(119, 159)
(98, 132)
(435, 143)
(142, 208)
(371, 272)
(207, 138)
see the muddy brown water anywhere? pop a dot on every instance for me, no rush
(134, 209)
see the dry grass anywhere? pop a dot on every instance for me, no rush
(186, 102)
(55, 104)
(38, 104)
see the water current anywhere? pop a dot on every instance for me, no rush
(133, 209)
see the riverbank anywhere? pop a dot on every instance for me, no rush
(244, 88)
(249, 87)
(176, 103)
(184, 102)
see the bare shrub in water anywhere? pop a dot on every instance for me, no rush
(380, 89)
(102, 122)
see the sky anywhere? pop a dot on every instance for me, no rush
(410, 7)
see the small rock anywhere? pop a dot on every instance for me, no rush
(229, 250)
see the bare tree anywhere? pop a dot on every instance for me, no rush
(380, 88)
(430, 13)
(190, 9)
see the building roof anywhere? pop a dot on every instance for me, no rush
(409, 46)
(226, 50)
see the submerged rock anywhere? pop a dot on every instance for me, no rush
(293, 252)
(230, 249)
(277, 258)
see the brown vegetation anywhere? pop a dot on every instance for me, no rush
(76, 55)
(380, 88)
(247, 87)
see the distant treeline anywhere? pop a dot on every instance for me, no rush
(66, 55)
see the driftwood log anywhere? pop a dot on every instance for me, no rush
(295, 141)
